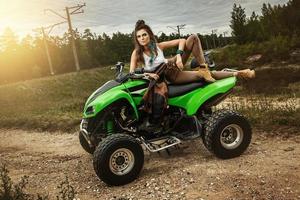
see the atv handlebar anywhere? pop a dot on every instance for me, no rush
(139, 76)
(139, 70)
(139, 73)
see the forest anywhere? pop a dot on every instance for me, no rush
(25, 58)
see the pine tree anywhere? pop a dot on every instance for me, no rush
(238, 22)
(254, 29)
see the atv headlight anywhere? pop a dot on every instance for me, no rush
(90, 110)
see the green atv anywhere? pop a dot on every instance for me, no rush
(115, 129)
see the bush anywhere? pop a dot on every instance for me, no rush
(274, 80)
(11, 191)
(66, 191)
(276, 49)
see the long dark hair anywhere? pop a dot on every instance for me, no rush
(140, 24)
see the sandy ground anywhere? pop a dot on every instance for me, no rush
(269, 169)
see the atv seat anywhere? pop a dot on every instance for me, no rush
(180, 89)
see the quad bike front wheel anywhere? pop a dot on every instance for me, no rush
(227, 134)
(118, 159)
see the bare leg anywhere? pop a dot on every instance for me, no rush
(192, 76)
(245, 74)
(187, 77)
(222, 74)
(193, 45)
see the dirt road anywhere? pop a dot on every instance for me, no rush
(269, 169)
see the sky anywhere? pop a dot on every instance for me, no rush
(110, 16)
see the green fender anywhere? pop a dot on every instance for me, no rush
(107, 99)
(193, 100)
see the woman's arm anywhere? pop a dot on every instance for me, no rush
(180, 43)
(172, 43)
(133, 61)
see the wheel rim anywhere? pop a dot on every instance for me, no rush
(121, 161)
(231, 136)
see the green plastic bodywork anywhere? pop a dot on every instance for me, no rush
(102, 101)
(190, 101)
(193, 100)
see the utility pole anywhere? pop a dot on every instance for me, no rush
(47, 51)
(178, 28)
(72, 32)
(225, 37)
(71, 11)
(206, 42)
(219, 39)
(212, 34)
(45, 36)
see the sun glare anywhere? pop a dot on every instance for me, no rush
(22, 16)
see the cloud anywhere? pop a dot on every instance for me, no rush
(114, 15)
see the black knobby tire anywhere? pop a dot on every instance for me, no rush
(85, 145)
(111, 146)
(223, 127)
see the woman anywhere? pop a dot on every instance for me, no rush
(150, 54)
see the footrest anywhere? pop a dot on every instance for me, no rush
(159, 144)
(188, 135)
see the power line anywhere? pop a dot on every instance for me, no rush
(52, 26)
(56, 13)
(73, 10)
(45, 36)
(177, 28)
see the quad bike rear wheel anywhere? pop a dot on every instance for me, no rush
(118, 159)
(227, 134)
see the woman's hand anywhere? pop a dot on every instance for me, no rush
(179, 62)
(152, 75)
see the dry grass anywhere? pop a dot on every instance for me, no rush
(267, 112)
(56, 103)
(52, 103)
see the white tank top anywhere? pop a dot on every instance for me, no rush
(160, 58)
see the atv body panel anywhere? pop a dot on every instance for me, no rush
(192, 101)
(104, 96)
(133, 91)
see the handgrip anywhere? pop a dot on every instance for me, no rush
(139, 70)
